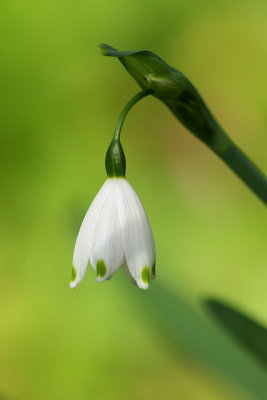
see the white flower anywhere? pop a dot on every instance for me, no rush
(115, 233)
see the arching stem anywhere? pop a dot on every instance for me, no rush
(125, 111)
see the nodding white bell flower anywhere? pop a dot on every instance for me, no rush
(115, 231)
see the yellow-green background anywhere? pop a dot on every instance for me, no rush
(59, 103)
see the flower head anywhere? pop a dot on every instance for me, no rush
(115, 233)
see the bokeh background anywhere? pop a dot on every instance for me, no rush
(60, 100)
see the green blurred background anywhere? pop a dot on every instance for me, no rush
(59, 105)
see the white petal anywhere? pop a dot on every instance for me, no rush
(85, 239)
(107, 253)
(128, 273)
(138, 241)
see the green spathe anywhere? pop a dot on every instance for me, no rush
(101, 268)
(172, 87)
(175, 90)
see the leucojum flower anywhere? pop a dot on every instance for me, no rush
(115, 231)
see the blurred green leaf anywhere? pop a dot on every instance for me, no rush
(180, 326)
(245, 330)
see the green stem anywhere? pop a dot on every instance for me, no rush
(196, 116)
(125, 111)
(250, 174)
(115, 161)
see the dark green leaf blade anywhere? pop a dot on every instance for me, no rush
(179, 326)
(248, 332)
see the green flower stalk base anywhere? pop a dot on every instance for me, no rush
(115, 159)
(170, 86)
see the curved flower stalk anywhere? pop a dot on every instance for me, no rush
(115, 231)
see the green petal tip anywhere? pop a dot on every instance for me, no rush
(73, 274)
(146, 275)
(101, 269)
